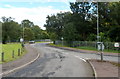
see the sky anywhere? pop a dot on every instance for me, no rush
(34, 10)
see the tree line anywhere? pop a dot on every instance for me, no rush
(12, 31)
(81, 23)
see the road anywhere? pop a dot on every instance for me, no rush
(54, 62)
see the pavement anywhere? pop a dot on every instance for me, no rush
(55, 62)
(105, 69)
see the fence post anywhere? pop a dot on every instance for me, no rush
(13, 54)
(102, 56)
(18, 52)
(21, 51)
(2, 56)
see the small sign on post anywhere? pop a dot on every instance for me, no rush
(21, 40)
(101, 47)
(116, 45)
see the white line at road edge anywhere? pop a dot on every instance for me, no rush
(7, 72)
(76, 56)
(80, 58)
(86, 60)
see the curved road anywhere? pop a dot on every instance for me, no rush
(54, 62)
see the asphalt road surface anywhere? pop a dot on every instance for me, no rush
(54, 62)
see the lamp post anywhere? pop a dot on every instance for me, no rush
(62, 40)
(100, 44)
(22, 39)
(98, 25)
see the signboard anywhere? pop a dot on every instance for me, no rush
(21, 40)
(116, 45)
(100, 46)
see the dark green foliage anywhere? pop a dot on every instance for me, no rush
(81, 24)
(12, 31)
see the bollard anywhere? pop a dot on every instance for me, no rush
(18, 52)
(21, 50)
(101, 56)
(2, 56)
(13, 54)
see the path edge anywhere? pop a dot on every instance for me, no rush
(93, 68)
(17, 68)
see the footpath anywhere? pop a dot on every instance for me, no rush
(28, 58)
(104, 69)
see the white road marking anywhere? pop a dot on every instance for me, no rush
(80, 58)
(75, 56)
(20, 66)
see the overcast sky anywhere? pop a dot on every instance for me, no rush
(34, 10)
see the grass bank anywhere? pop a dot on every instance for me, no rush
(8, 51)
(87, 48)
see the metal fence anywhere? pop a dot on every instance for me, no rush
(108, 45)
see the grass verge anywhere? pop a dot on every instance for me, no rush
(87, 48)
(8, 50)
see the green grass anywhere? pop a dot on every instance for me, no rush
(88, 48)
(42, 42)
(94, 49)
(8, 49)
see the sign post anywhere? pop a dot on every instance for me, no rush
(22, 42)
(101, 48)
(62, 40)
(117, 45)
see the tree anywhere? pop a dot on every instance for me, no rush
(27, 23)
(69, 33)
(10, 30)
(37, 32)
(114, 34)
(82, 19)
(109, 20)
(28, 34)
(0, 31)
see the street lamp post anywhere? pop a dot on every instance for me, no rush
(62, 40)
(98, 36)
(97, 24)
(22, 39)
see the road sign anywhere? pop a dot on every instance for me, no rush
(21, 40)
(62, 38)
(103, 47)
(100, 46)
(116, 45)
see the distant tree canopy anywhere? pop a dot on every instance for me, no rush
(81, 24)
(12, 31)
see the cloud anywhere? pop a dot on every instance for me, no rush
(37, 0)
(8, 6)
(37, 14)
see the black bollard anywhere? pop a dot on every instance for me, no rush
(2, 56)
(18, 52)
(13, 54)
(101, 56)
